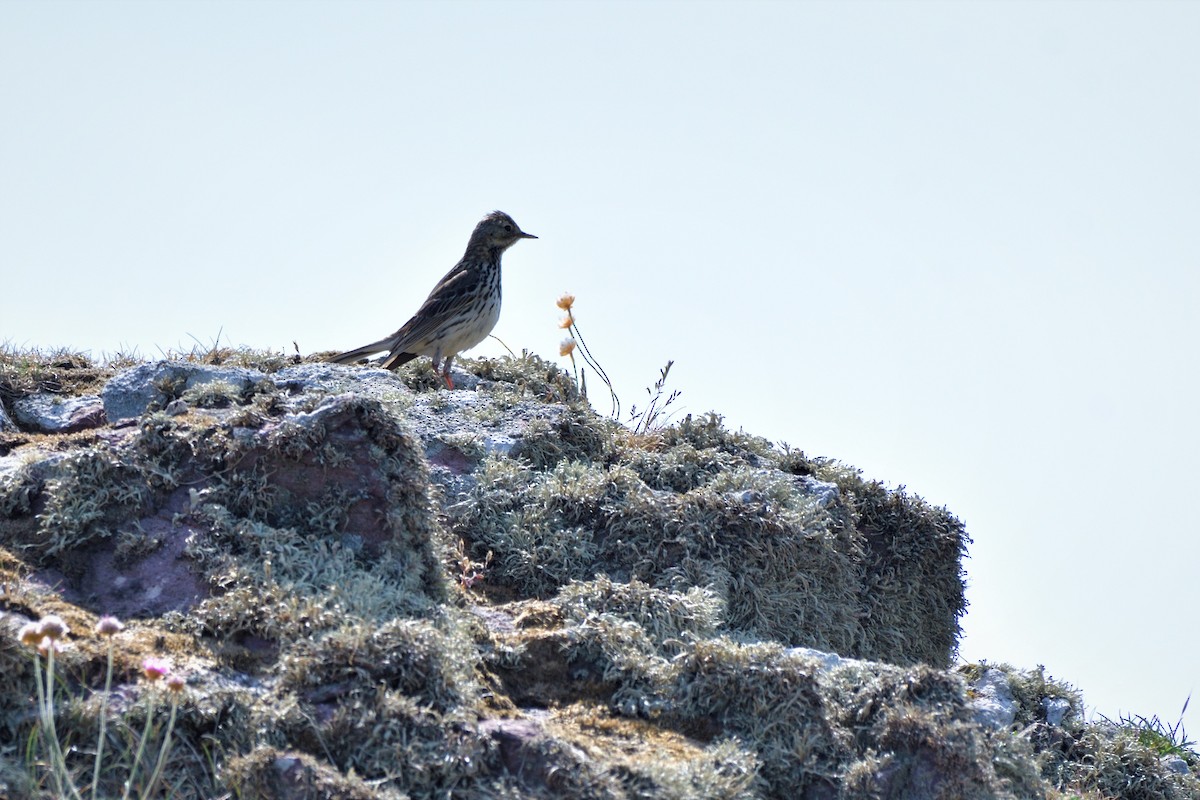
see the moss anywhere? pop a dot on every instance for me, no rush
(532, 376)
(680, 468)
(914, 581)
(667, 617)
(394, 741)
(762, 546)
(646, 760)
(214, 394)
(267, 773)
(92, 492)
(651, 584)
(275, 584)
(1031, 689)
(575, 434)
(760, 694)
(414, 657)
(26, 372)
(708, 432)
(1111, 761)
(17, 491)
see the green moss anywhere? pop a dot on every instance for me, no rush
(1111, 761)
(656, 580)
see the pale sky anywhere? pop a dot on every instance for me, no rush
(952, 244)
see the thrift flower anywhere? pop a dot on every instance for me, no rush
(53, 627)
(155, 669)
(30, 634)
(108, 626)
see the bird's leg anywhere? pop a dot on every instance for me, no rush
(436, 358)
(446, 373)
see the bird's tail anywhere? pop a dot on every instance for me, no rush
(350, 356)
(396, 359)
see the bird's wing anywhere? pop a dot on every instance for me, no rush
(448, 300)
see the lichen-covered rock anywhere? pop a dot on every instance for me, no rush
(993, 702)
(379, 588)
(51, 413)
(6, 423)
(131, 393)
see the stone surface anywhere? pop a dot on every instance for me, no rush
(993, 703)
(1056, 710)
(6, 423)
(131, 392)
(52, 413)
(1176, 765)
(162, 580)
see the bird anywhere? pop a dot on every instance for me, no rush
(461, 310)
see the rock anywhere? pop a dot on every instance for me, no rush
(298, 541)
(6, 423)
(1175, 764)
(529, 754)
(51, 413)
(1056, 709)
(130, 393)
(826, 494)
(826, 661)
(151, 584)
(993, 703)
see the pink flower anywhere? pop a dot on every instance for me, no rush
(155, 669)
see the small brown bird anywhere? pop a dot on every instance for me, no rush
(460, 311)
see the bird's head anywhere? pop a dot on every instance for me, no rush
(497, 229)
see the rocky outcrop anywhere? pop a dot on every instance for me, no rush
(379, 588)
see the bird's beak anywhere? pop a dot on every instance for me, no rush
(525, 235)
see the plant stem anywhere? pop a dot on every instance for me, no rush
(137, 759)
(44, 714)
(103, 720)
(58, 761)
(163, 751)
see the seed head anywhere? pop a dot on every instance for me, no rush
(30, 634)
(176, 683)
(566, 301)
(108, 626)
(566, 322)
(53, 627)
(567, 347)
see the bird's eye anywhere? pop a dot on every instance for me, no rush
(508, 228)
